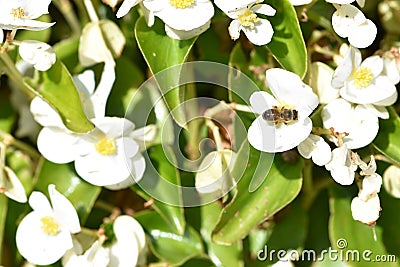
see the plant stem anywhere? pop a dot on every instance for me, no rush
(9, 140)
(8, 66)
(91, 11)
(308, 188)
(68, 12)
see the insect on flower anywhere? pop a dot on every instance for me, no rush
(283, 114)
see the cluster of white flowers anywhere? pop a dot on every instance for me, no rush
(185, 19)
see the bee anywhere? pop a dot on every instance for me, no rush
(277, 115)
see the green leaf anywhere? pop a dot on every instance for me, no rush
(59, 90)
(287, 43)
(166, 244)
(161, 183)
(162, 52)
(67, 51)
(221, 255)
(348, 235)
(387, 141)
(3, 216)
(81, 194)
(280, 184)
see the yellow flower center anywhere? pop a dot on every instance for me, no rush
(181, 3)
(18, 12)
(50, 226)
(106, 147)
(248, 18)
(362, 77)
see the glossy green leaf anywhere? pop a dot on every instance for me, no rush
(280, 184)
(166, 244)
(162, 52)
(287, 43)
(58, 89)
(81, 194)
(387, 141)
(161, 184)
(353, 238)
(221, 255)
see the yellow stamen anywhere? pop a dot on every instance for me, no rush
(106, 147)
(18, 13)
(181, 3)
(248, 18)
(362, 77)
(50, 226)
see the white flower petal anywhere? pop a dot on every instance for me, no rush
(64, 211)
(261, 34)
(234, 29)
(261, 101)
(25, 24)
(288, 88)
(185, 35)
(316, 148)
(366, 211)
(345, 18)
(14, 188)
(391, 70)
(100, 96)
(340, 2)
(114, 126)
(56, 145)
(266, 137)
(263, 9)
(363, 35)
(144, 135)
(39, 54)
(378, 111)
(374, 64)
(126, 7)
(351, 60)
(381, 90)
(126, 226)
(44, 114)
(341, 167)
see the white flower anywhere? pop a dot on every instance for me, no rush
(357, 124)
(259, 31)
(213, 174)
(361, 3)
(366, 211)
(126, 7)
(364, 82)
(95, 256)
(182, 15)
(39, 54)
(349, 22)
(11, 186)
(291, 94)
(316, 148)
(44, 235)
(391, 65)
(21, 14)
(129, 248)
(341, 167)
(104, 157)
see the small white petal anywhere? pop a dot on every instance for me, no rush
(126, 6)
(366, 211)
(261, 101)
(44, 114)
(64, 211)
(341, 167)
(351, 60)
(290, 89)
(263, 9)
(39, 203)
(261, 34)
(378, 111)
(234, 29)
(345, 18)
(391, 70)
(374, 64)
(316, 148)
(321, 75)
(144, 135)
(56, 145)
(363, 35)
(126, 226)
(300, 2)
(103, 90)
(114, 126)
